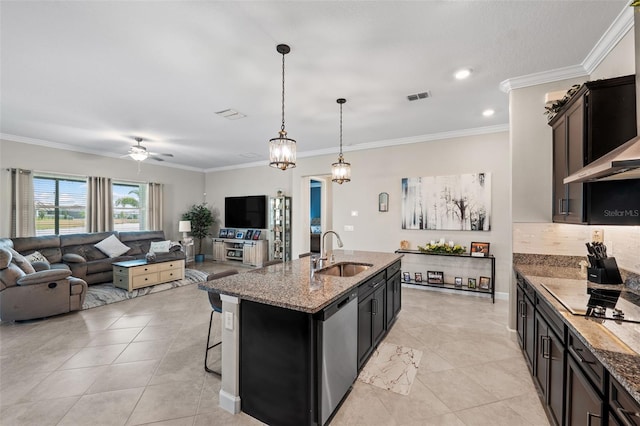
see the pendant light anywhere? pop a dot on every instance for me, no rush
(282, 150)
(341, 171)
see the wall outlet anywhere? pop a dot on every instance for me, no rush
(348, 227)
(228, 320)
(597, 235)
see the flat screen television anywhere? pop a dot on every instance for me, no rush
(248, 212)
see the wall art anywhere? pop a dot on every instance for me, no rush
(457, 202)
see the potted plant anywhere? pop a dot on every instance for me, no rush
(201, 220)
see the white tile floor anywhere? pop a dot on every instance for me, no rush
(140, 362)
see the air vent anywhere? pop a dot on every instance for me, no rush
(230, 114)
(417, 96)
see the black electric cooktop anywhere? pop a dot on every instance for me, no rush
(599, 301)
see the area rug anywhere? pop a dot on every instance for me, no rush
(103, 294)
(392, 367)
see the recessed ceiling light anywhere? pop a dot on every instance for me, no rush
(462, 73)
(488, 112)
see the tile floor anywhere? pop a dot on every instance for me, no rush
(140, 362)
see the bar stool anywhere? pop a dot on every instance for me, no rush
(216, 306)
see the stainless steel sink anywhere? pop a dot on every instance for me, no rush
(344, 269)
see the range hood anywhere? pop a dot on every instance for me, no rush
(624, 161)
(621, 163)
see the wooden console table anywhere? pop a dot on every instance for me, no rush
(132, 274)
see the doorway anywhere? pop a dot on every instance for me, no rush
(316, 209)
(315, 214)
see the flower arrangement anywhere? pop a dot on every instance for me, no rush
(442, 247)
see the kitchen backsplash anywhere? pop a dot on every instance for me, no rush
(623, 242)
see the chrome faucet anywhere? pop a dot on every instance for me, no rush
(323, 253)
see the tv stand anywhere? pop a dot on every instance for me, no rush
(248, 252)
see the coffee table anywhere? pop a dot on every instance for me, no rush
(133, 274)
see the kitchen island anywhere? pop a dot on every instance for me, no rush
(289, 336)
(584, 367)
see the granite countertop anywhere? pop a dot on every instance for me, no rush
(289, 285)
(621, 359)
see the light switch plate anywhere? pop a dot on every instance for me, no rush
(228, 320)
(348, 227)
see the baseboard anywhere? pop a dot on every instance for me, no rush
(229, 403)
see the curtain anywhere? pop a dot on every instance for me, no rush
(23, 212)
(99, 204)
(154, 205)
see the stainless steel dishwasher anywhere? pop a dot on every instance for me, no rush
(338, 336)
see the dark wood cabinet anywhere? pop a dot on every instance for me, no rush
(623, 408)
(371, 315)
(599, 117)
(583, 403)
(549, 367)
(526, 322)
(394, 293)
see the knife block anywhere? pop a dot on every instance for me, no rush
(604, 272)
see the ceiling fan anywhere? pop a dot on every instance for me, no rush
(140, 153)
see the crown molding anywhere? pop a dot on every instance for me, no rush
(380, 144)
(573, 71)
(611, 37)
(618, 29)
(56, 145)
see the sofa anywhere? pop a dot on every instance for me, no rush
(77, 252)
(27, 294)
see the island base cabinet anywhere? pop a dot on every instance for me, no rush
(371, 316)
(277, 362)
(394, 293)
(584, 405)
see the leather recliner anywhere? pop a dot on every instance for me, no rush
(26, 294)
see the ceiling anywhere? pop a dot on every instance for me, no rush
(90, 75)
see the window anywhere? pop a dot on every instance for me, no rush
(60, 204)
(129, 206)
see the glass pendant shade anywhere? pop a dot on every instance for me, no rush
(341, 171)
(282, 152)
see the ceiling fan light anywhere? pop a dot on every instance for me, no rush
(139, 155)
(282, 152)
(341, 171)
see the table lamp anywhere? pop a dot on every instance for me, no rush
(184, 226)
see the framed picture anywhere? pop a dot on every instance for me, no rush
(418, 277)
(256, 234)
(435, 277)
(472, 283)
(458, 281)
(231, 233)
(485, 283)
(239, 235)
(480, 249)
(406, 276)
(223, 233)
(249, 234)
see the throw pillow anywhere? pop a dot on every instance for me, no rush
(112, 247)
(21, 262)
(160, 246)
(36, 256)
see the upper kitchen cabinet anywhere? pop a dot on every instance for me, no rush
(599, 117)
